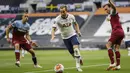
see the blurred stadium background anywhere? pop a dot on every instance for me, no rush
(90, 16)
(94, 26)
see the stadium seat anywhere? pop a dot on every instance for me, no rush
(41, 7)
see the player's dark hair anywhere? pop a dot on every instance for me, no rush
(61, 7)
(21, 15)
(18, 17)
(107, 5)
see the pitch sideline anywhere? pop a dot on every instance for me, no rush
(68, 68)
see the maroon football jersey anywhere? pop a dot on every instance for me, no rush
(115, 23)
(19, 31)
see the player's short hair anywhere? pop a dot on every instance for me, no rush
(61, 7)
(18, 17)
(107, 5)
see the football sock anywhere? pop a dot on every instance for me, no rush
(117, 58)
(77, 59)
(129, 50)
(111, 55)
(17, 55)
(34, 60)
(23, 52)
(76, 52)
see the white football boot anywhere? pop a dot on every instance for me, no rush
(117, 68)
(37, 66)
(18, 64)
(111, 66)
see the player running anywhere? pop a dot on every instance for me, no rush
(117, 36)
(20, 32)
(65, 22)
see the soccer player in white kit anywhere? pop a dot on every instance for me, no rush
(127, 40)
(64, 22)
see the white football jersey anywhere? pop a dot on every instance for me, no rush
(127, 36)
(65, 26)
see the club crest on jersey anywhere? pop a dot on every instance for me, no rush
(66, 24)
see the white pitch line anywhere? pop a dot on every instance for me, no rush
(9, 64)
(68, 68)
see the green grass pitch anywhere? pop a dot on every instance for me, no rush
(94, 62)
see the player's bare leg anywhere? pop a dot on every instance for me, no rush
(111, 55)
(117, 53)
(78, 57)
(17, 55)
(34, 59)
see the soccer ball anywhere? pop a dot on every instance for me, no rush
(59, 68)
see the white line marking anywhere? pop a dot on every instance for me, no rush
(67, 68)
(9, 64)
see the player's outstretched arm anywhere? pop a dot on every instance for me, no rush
(112, 5)
(77, 29)
(7, 32)
(76, 26)
(53, 33)
(29, 39)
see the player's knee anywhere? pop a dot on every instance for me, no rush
(108, 46)
(117, 47)
(32, 52)
(17, 46)
(76, 46)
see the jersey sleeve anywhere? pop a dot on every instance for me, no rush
(28, 28)
(14, 24)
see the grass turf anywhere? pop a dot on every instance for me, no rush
(94, 62)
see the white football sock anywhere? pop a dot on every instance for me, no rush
(128, 51)
(76, 52)
(23, 52)
(128, 48)
(77, 59)
(16, 50)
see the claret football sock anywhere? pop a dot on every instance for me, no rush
(117, 58)
(111, 55)
(17, 55)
